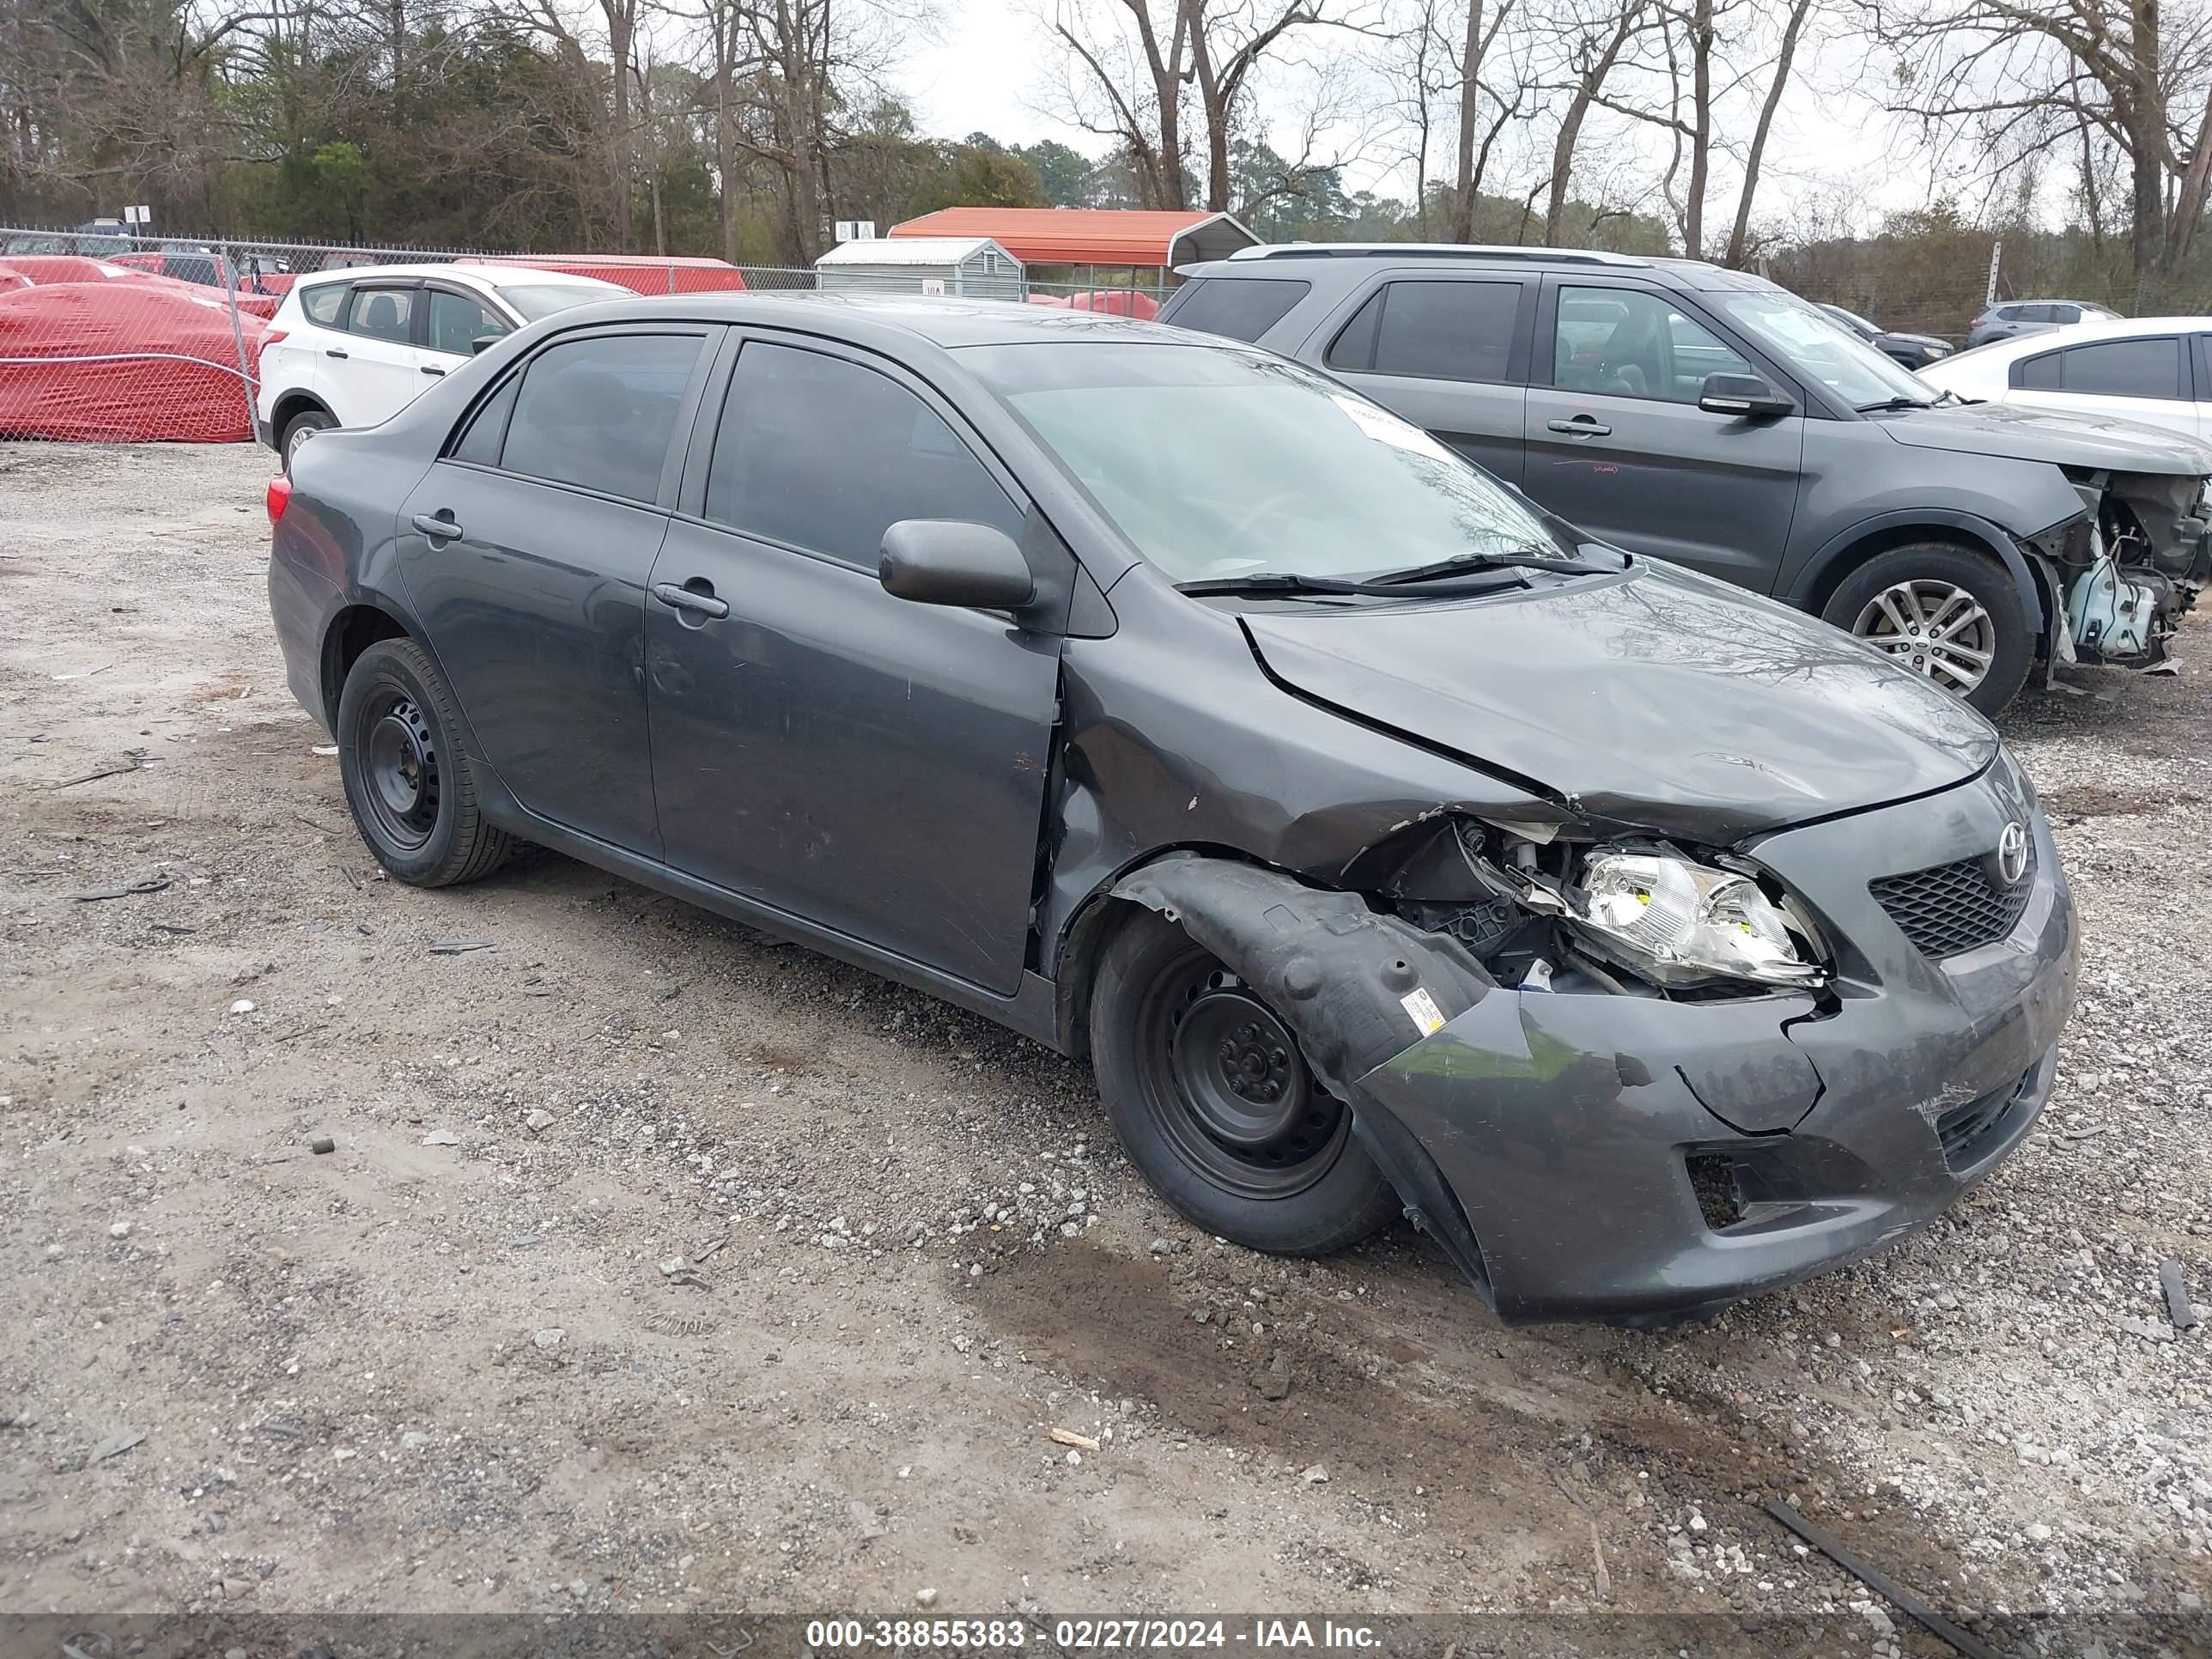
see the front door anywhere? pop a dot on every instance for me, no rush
(1618, 445)
(526, 550)
(378, 365)
(873, 765)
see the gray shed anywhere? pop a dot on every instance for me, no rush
(973, 267)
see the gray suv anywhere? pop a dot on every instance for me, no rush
(2016, 317)
(1711, 418)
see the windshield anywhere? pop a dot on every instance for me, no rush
(1217, 462)
(535, 299)
(1815, 346)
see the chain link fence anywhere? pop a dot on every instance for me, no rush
(124, 338)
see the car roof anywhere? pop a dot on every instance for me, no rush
(488, 275)
(1286, 258)
(947, 322)
(2115, 328)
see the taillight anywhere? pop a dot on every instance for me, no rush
(273, 336)
(280, 497)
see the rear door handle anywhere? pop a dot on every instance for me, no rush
(439, 529)
(333, 351)
(686, 598)
(1583, 425)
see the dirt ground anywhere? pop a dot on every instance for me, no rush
(453, 1365)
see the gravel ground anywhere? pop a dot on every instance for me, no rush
(458, 1364)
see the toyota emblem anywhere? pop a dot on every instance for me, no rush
(2012, 854)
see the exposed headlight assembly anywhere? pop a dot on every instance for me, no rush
(1678, 923)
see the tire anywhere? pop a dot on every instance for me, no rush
(412, 789)
(1926, 584)
(301, 428)
(1171, 1030)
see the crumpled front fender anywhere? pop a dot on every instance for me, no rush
(1355, 987)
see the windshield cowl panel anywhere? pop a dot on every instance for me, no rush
(1217, 463)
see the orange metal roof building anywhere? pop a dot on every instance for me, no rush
(1089, 236)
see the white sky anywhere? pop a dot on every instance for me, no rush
(988, 72)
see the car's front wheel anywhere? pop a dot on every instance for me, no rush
(411, 788)
(1944, 612)
(1212, 1100)
(301, 428)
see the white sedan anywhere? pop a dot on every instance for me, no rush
(2157, 370)
(355, 347)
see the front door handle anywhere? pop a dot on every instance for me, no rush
(691, 598)
(439, 529)
(1583, 425)
(333, 351)
(427, 370)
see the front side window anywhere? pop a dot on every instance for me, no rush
(2110, 369)
(1215, 461)
(598, 412)
(1812, 346)
(1235, 308)
(456, 322)
(383, 313)
(1627, 342)
(821, 452)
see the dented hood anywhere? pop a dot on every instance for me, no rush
(1659, 699)
(2015, 432)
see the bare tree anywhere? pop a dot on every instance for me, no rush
(1589, 46)
(1755, 157)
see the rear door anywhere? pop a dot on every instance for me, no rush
(527, 548)
(378, 367)
(873, 765)
(1617, 444)
(1449, 353)
(2148, 378)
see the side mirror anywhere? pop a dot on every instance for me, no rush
(484, 343)
(951, 562)
(1748, 397)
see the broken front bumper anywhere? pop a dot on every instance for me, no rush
(1622, 1157)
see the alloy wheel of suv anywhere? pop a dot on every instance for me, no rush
(1934, 629)
(1945, 613)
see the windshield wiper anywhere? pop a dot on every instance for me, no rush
(1521, 559)
(1889, 403)
(1263, 584)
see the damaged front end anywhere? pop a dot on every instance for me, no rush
(2124, 572)
(1620, 1077)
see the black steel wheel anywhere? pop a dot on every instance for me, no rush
(1212, 1099)
(410, 783)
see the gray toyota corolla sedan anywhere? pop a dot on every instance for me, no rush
(1384, 844)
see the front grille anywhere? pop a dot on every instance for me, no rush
(1967, 1131)
(1952, 906)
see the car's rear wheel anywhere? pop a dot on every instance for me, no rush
(301, 428)
(1949, 615)
(1212, 1100)
(411, 788)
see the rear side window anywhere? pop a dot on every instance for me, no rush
(487, 429)
(1237, 307)
(383, 313)
(599, 412)
(324, 303)
(822, 453)
(1445, 331)
(2110, 369)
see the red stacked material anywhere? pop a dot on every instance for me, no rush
(125, 361)
(1109, 301)
(640, 273)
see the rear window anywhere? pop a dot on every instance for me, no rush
(599, 412)
(1237, 308)
(323, 302)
